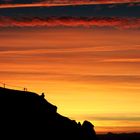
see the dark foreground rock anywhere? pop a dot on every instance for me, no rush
(26, 115)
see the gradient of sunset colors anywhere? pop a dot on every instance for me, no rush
(88, 66)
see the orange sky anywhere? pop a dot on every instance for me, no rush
(89, 74)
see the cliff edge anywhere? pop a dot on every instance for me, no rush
(29, 115)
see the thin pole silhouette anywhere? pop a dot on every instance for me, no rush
(9, 85)
(4, 85)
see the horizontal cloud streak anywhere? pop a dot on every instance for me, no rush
(65, 1)
(48, 3)
(125, 23)
(110, 117)
(86, 78)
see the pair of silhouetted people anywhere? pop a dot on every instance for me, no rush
(25, 89)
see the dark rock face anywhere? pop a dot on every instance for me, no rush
(26, 115)
(88, 130)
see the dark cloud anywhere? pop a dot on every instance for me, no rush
(121, 10)
(124, 23)
(57, 3)
(18, 1)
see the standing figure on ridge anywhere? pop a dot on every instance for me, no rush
(42, 95)
(25, 89)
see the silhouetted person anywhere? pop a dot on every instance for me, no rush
(42, 95)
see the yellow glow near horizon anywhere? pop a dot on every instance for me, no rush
(89, 74)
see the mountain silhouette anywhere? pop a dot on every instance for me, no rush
(27, 115)
(119, 136)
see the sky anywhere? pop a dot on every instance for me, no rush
(84, 55)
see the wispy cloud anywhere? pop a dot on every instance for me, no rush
(114, 117)
(48, 3)
(49, 75)
(125, 23)
(67, 1)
